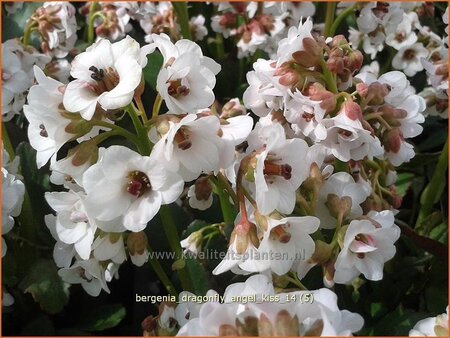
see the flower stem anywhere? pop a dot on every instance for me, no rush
(171, 232)
(183, 18)
(91, 17)
(433, 190)
(156, 106)
(27, 32)
(329, 77)
(340, 18)
(228, 212)
(161, 273)
(329, 17)
(143, 144)
(119, 131)
(226, 185)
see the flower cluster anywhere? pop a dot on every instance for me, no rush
(298, 313)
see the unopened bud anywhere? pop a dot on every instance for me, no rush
(352, 110)
(137, 243)
(322, 252)
(339, 206)
(392, 140)
(85, 152)
(286, 325)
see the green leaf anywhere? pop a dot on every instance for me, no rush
(403, 183)
(103, 317)
(199, 276)
(46, 287)
(398, 322)
(151, 71)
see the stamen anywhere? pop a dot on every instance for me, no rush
(182, 139)
(97, 74)
(138, 183)
(278, 233)
(176, 89)
(284, 170)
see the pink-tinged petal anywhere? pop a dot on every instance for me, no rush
(361, 247)
(80, 97)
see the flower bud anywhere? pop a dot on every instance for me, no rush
(85, 152)
(137, 243)
(339, 206)
(392, 140)
(352, 110)
(322, 252)
(286, 325)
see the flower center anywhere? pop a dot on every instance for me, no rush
(177, 89)
(182, 138)
(107, 79)
(409, 54)
(284, 170)
(280, 234)
(138, 183)
(307, 117)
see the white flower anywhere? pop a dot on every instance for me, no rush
(409, 58)
(264, 94)
(90, 274)
(7, 299)
(338, 187)
(289, 315)
(348, 140)
(374, 14)
(306, 116)
(294, 41)
(46, 131)
(281, 167)
(196, 202)
(125, 184)
(367, 245)
(259, 285)
(242, 254)
(57, 27)
(14, 81)
(187, 78)
(189, 146)
(73, 225)
(106, 74)
(109, 247)
(13, 192)
(198, 25)
(248, 45)
(402, 35)
(287, 240)
(432, 326)
(63, 253)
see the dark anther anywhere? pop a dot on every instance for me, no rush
(97, 74)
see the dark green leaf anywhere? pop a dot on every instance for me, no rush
(403, 183)
(46, 287)
(103, 317)
(41, 326)
(151, 71)
(199, 276)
